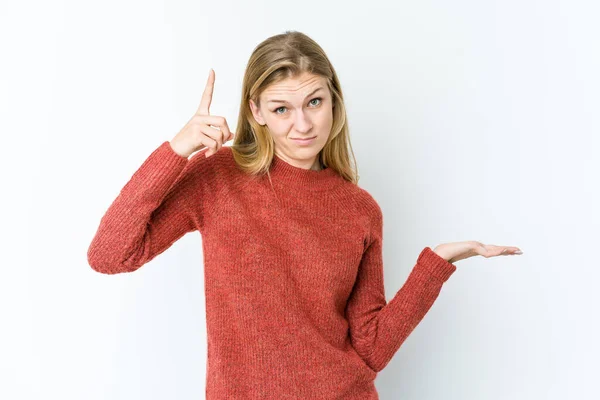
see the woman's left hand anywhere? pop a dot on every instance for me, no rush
(457, 251)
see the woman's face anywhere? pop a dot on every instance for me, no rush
(304, 110)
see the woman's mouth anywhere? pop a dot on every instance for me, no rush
(304, 142)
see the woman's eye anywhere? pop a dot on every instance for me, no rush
(316, 98)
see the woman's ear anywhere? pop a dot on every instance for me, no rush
(256, 113)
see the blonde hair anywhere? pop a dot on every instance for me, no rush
(277, 58)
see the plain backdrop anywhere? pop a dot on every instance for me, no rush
(470, 120)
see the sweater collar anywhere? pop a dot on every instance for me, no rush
(291, 175)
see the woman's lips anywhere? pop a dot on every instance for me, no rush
(304, 142)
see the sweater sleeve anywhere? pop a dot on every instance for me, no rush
(151, 212)
(378, 328)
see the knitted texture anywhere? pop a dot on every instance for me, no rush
(293, 267)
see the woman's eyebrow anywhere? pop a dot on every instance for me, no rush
(284, 101)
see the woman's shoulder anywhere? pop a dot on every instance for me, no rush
(222, 161)
(212, 171)
(226, 163)
(366, 201)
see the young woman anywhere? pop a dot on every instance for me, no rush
(295, 301)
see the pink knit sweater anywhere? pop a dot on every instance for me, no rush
(295, 302)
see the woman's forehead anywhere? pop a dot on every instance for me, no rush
(302, 86)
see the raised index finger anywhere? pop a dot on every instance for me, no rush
(204, 107)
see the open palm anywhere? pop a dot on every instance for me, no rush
(457, 251)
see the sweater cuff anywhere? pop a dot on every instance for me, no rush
(160, 170)
(435, 265)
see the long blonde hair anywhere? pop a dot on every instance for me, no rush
(277, 58)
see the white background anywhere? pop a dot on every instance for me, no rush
(470, 120)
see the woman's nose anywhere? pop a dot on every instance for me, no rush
(302, 122)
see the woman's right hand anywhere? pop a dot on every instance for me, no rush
(203, 130)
